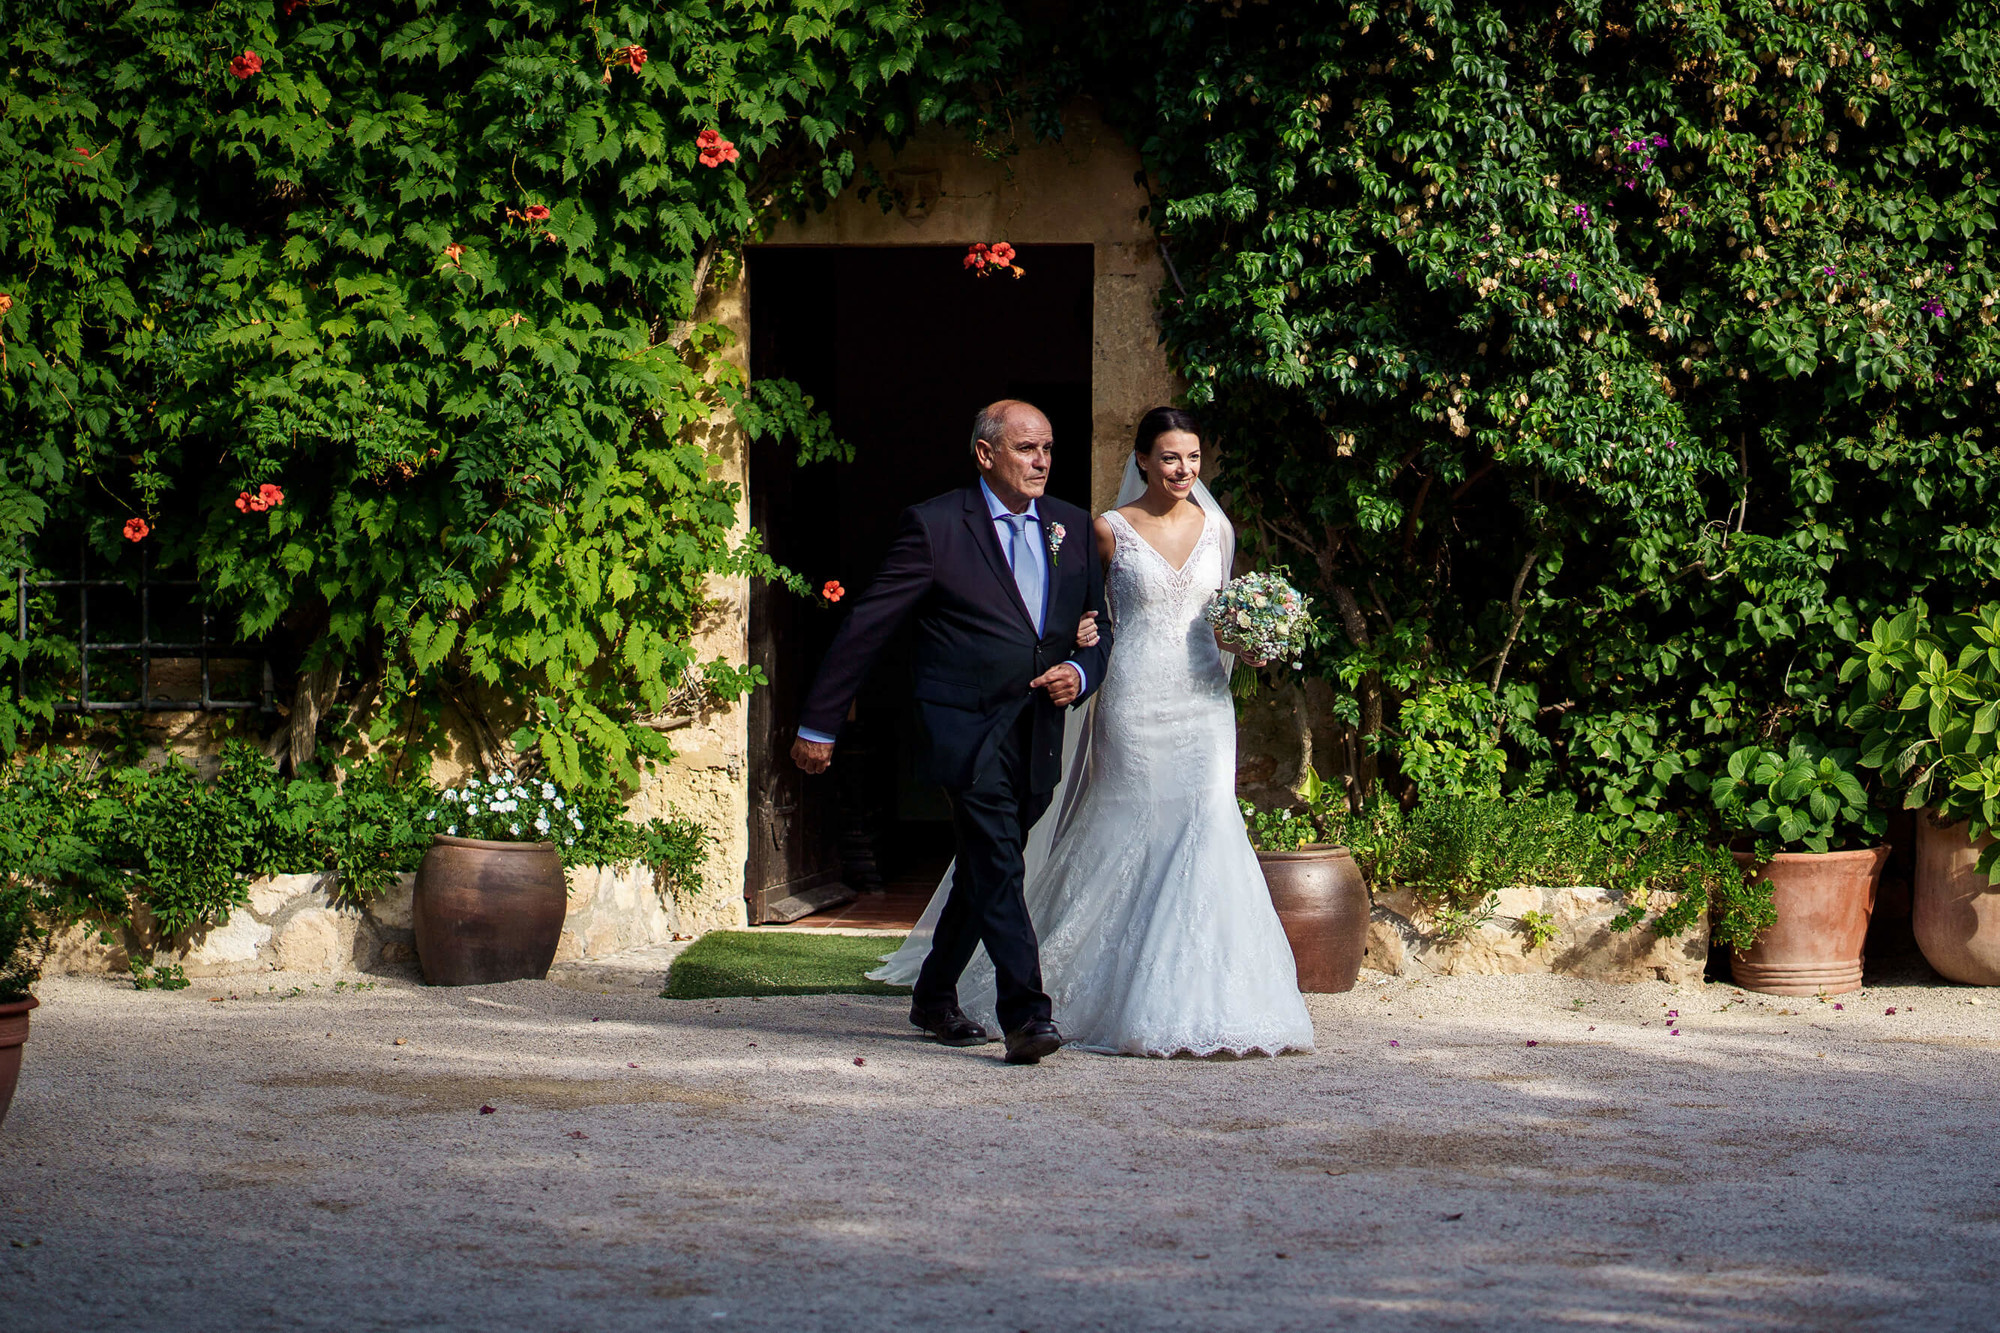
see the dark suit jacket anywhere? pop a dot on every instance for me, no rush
(976, 646)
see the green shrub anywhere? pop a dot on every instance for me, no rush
(1806, 795)
(84, 842)
(1453, 853)
(1926, 701)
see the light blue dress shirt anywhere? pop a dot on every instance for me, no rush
(1004, 533)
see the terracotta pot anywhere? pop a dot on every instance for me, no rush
(1323, 905)
(13, 1031)
(488, 911)
(1956, 912)
(1823, 901)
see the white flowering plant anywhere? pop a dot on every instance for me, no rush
(587, 827)
(502, 807)
(1263, 617)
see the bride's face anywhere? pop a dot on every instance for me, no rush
(1174, 466)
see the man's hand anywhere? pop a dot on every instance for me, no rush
(812, 756)
(1063, 683)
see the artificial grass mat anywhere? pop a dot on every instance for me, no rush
(773, 962)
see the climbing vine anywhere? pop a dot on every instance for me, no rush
(1606, 365)
(385, 322)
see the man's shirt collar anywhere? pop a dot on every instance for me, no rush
(997, 511)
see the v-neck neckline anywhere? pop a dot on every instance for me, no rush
(1160, 555)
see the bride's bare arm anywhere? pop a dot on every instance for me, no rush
(1106, 543)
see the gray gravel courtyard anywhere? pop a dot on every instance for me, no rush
(1485, 1152)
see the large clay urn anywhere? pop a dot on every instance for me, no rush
(1954, 910)
(1323, 905)
(13, 1032)
(1823, 900)
(488, 911)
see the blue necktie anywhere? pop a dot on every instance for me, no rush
(1027, 570)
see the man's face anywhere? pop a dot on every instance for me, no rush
(1018, 465)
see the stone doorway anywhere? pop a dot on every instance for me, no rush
(901, 345)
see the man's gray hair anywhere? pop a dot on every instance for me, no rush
(990, 425)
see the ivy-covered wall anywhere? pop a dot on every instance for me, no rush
(1603, 368)
(382, 321)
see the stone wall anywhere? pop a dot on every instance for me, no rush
(1402, 939)
(295, 923)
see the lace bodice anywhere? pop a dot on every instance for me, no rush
(1162, 642)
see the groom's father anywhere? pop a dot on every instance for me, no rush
(998, 575)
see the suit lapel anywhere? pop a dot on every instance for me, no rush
(986, 537)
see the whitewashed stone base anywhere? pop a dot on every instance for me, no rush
(295, 923)
(1401, 939)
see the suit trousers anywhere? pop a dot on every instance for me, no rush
(991, 819)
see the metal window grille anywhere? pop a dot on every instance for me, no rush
(145, 648)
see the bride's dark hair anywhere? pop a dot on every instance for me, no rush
(1161, 421)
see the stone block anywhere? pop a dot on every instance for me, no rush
(392, 907)
(273, 895)
(321, 939)
(1402, 938)
(228, 949)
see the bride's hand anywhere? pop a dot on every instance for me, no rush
(1241, 654)
(1086, 630)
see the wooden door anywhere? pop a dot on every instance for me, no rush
(794, 864)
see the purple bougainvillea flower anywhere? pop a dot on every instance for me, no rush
(1933, 307)
(1828, 270)
(1840, 1006)
(1673, 1013)
(1534, 1043)
(1395, 1043)
(1890, 1010)
(1675, 1033)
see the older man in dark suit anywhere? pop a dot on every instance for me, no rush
(998, 576)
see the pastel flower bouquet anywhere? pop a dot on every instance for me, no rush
(1262, 617)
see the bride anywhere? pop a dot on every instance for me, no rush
(1157, 932)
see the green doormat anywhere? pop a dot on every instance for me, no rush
(773, 962)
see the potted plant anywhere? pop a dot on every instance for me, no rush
(20, 966)
(1816, 843)
(491, 895)
(1319, 894)
(1926, 701)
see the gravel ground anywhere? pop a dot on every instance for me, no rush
(1481, 1152)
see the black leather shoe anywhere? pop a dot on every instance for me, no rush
(1028, 1043)
(948, 1026)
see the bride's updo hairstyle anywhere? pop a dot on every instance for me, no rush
(1161, 421)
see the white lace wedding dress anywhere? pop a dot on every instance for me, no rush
(1157, 932)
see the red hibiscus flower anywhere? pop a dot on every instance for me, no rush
(136, 529)
(1001, 253)
(291, 7)
(977, 256)
(708, 139)
(535, 212)
(246, 64)
(635, 58)
(833, 592)
(270, 495)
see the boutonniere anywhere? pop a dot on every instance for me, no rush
(1056, 534)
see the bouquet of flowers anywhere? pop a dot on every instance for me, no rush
(1262, 616)
(502, 808)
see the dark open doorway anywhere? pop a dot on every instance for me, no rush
(902, 346)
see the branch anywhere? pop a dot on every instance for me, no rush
(704, 263)
(1520, 614)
